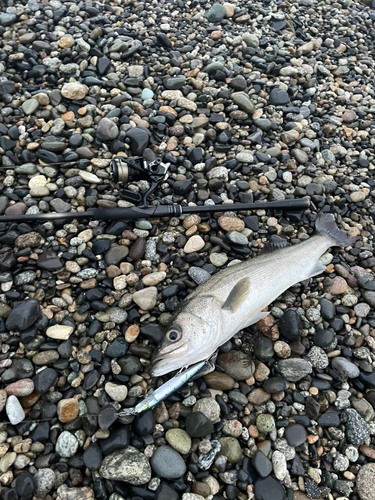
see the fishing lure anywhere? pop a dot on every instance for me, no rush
(164, 391)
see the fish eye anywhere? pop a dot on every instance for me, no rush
(173, 335)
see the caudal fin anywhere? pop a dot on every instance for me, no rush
(325, 224)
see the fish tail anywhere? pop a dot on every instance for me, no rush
(325, 224)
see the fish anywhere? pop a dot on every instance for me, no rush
(235, 297)
(163, 392)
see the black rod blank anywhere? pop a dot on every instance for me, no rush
(134, 213)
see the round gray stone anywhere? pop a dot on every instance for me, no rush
(167, 463)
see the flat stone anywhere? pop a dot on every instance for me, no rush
(219, 381)
(278, 97)
(59, 332)
(74, 90)
(269, 489)
(30, 106)
(115, 391)
(344, 367)
(262, 464)
(23, 315)
(146, 298)
(139, 139)
(294, 369)
(231, 223)
(14, 410)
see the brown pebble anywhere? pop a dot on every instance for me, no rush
(30, 400)
(261, 373)
(129, 235)
(279, 396)
(161, 413)
(204, 227)
(3, 398)
(215, 35)
(231, 223)
(312, 439)
(367, 451)
(253, 431)
(220, 381)
(258, 396)
(132, 333)
(338, 286)
(191, 220)
(20, 388)
(113, 271)
(45, 357)
(137, 249)
(67, 409)
(88, 284)
(268, 327)
(174, 411)
(201, 489)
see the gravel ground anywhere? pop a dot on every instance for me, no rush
(247, 101)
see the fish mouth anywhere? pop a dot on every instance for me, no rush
(159, 369)
(162, 363)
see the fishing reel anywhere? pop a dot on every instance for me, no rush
(124, 170)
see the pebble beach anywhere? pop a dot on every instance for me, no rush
(247, 102)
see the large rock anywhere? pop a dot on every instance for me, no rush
(107, 130)
(236, 364)
(366, 482)
(23, 315)
(243, 102)
(129, 465)
(138, 140)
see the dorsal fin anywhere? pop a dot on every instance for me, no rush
(275, 243)
(237, 295)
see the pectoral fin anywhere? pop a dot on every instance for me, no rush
(237, 295)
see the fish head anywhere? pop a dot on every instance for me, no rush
(189, 338)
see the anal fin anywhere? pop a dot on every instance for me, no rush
(319, 268)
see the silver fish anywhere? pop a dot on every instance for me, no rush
(236, 297)
(163, 392)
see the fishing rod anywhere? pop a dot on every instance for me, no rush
(124, 170)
